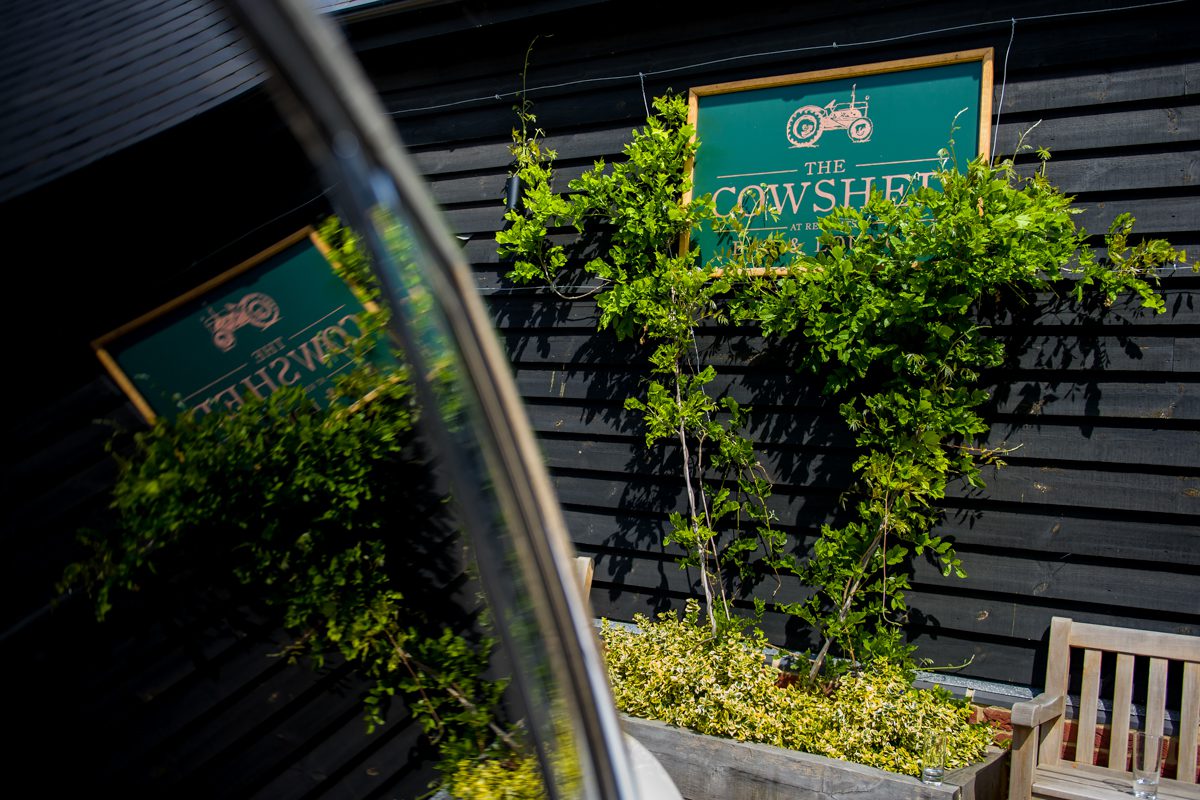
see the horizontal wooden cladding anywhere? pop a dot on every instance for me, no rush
(1085, 88)
(214, 63)
(1073, 175)
(566, 383)
(1017, 618)
(1016, 581)
(330, 762)
(1088, 130)
(1021, 530)
(476, 221)
(1090, 443)
(1144, 171)
(631, 512)
(610, 49)
(58, 466)
(1064, 354)
(368, 31)
(1116, 491)
(1181, 296)
(484, 119)
(1081, 532)
(582, 45)
(1155, 215)
(93, 398)
(61, 458)
(768, 429)
(1062, 441)
(497, 156)
(490, 186)
(310, 708)
(1126, 490)
(1114, 586)
(211, 710)
(956, 611)
(658, 495)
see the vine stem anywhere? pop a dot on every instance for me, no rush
(691, 494)
(408, 662)
(708, 521)
(451, 689)
(848, 594)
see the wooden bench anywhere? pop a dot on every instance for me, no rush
(1038, 767)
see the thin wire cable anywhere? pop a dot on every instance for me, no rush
(645, 101)
(1003, 84)
(789, 51)
(586, 290)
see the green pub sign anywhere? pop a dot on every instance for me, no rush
(282, 318)
(800, 145)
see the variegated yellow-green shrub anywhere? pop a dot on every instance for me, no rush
(515, 778)
(675, 671)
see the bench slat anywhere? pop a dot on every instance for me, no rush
(1089, 703)
(585, 567)
(1189, 723)
(1170, 646)
(1118, 747)
(1081, 782)
(1156, 696)
(1058, 663)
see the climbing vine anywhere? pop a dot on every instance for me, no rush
(889, 310)
(652, 291)
(889, 323)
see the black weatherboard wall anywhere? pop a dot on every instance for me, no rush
(1095, 517)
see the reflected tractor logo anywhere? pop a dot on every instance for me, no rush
(807, 123)
(255, 309)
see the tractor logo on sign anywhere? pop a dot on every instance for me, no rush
(807, 123)
(255, 309)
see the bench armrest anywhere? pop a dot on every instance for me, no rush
(1027, 718)
(1043, 708)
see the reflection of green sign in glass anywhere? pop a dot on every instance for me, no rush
(282, 318)
(800, 145)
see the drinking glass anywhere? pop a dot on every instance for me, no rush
(933, 757)
(1147, 763)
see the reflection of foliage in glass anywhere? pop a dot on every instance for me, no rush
(310, 507)
(501, 777)
(424, 319)
(436, 343)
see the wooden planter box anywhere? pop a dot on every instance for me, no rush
(708, 768)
